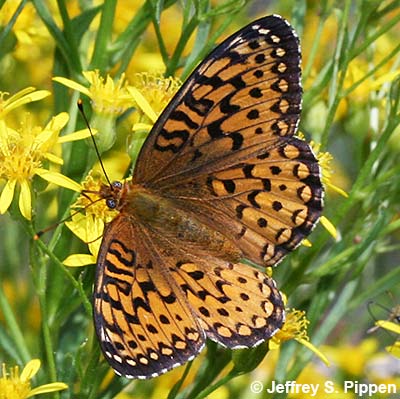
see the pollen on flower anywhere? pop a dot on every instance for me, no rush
(20, 153)
(325, 159)
(108, 97)
(11, 385)
(156, 89)
(17, 386)
(295, 327)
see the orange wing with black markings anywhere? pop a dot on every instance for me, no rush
(219, 178)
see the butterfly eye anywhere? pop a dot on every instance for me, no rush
(116, 185)
(111, 203)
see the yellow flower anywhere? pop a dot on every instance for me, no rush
(23, 153)
(109, 100)
(394, 349)
(151, 93)
(392, 327)
(295, 327)
(27, 95)
(324, 159)
(33, 44)
(108, 97)
(156, 91)
(16, 386)
(352, 358)
(314, 374)
(89, 227)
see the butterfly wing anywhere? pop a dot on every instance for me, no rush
(143, 323)
(237, 101)
(236, 305)
(224, 145)
(154, 302)
(223, 155)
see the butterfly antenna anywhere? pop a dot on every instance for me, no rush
(54, 225)
(81, 110)
(369, 306)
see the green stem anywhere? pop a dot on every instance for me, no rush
(14, 330)
(69, 34)
(340, 65)
(39, 270)
(77, 285)
(224, 380)
(187, 32)
(100, 58)
(7, 28)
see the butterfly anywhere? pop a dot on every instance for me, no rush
(220, 178)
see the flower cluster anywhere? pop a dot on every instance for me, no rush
(26, 151)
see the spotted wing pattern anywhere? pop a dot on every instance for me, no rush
(220, 178)
(153, 309)
(225, 144)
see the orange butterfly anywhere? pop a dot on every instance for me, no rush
(220, 178)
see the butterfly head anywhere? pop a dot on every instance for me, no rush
(113, 194)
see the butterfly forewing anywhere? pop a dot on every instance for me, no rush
(225, 143)
(242, 95)
(267, 205)
(219, 178)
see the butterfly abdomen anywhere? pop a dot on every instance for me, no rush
(163, 216)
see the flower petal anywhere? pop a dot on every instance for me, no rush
(87, 228)
(25, 96)
(73, 85)
(25, 200)
(388, 325)
(143, 104)
(54, 158)
(141, 126)
(330, 228)
(394, 349)
(314, 349)
(52, 387)
(59, 179)
(57, 122)
(78, 135)
(335, 188)
(7, 195)
(30, 370)
(49, 135)
(78, 260)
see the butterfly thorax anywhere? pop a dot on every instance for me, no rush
(161, 215)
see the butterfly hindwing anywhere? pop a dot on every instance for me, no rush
(153, 309)
(237, 305)
(143, 323)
